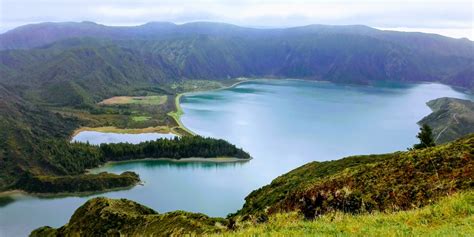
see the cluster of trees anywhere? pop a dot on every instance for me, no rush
(76, 183)
(68, 161)
(176, 148)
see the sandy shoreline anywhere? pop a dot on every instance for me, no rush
(176, 115)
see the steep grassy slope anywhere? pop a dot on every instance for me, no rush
(451, 118)
(397, 181)
(82, 75)
(121, 217)
(452, 216)
(356, 195)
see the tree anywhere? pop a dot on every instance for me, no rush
(426, 137)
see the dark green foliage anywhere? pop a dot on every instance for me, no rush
(426, 137)
(299, 179)
(69, 160)
(121, 217)
(177, 148)
(79, 64)
(406, 180)
(397, 181)
(77, 183)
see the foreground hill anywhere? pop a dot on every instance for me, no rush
(119, 217)
(451, 118)
(337, 194)
(452, 216)
(400, 181)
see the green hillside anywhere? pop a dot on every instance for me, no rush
(80, 64)
(397, 181)
(451, 118)
(402, 193)
(118, 217)
(451, 216)
(36, 155)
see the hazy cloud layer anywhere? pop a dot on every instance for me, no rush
(454, 18)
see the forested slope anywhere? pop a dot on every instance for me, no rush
(425, 191)
(92, 62)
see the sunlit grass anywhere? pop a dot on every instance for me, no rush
(452, 216)
(140, 118)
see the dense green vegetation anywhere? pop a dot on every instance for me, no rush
(426, 137)
(451, 118)
(121, 217)
(52, 82)
(72, 159)
(397, 181)
(80, 64)
(177, 148)
(34, 137)
(402, 193)
(452, 216)
(76, 183)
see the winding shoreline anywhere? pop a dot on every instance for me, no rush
(176, 115)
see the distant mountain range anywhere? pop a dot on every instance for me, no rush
(93, 61)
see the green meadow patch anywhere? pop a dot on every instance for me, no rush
(141, 100)
(140, 118)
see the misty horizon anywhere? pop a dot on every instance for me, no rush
(410, 16)
(401, 29)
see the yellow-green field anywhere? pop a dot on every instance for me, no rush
(144, 100)
(141, 118)
(452, 216)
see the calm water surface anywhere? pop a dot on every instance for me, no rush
(97, 138)
(283, 124)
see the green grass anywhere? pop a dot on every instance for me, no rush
(396, 181)
(452, 216)
(176, 115)
(141, 118)
(195, 85)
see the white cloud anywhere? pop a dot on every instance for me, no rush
(454, 16)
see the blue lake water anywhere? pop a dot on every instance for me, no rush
(96, 138)
(282, 123)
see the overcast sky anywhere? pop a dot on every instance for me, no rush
(450, 17)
